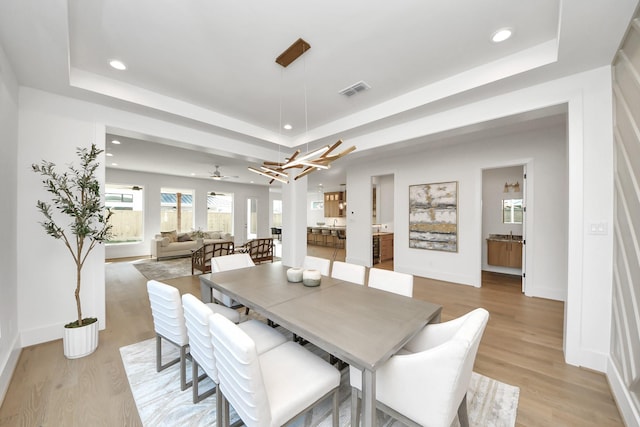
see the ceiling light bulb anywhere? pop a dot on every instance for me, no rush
(115, 141)
(501, 35)
(109, 155)
(288, 126)
(118, 65)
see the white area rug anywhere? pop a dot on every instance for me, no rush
(161, 403)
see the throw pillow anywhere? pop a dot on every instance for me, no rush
(172, 235)
(184, 237)
(214, 234)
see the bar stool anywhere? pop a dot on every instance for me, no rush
(315, 232)
(341, 236)
(325, 233)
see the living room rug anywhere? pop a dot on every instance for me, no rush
(161, 403)
(168, 268)
(164, 269)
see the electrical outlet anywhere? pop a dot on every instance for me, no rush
(598, 228)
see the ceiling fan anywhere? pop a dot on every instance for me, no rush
(213, 193)
(218, 176)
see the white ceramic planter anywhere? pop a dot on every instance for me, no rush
(80, 342)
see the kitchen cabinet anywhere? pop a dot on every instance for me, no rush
(504, 253)
(332, 202)
(382, 247)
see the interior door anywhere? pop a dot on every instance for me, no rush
(252, 219)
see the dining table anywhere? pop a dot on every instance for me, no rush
(361, 326)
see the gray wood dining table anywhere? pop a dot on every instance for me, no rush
(362, 326)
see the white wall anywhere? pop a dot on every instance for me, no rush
(464, 163)
(386, 205)
(9, 337)
(152, 183)
(588, 172)
(51, 128)
(314, 215)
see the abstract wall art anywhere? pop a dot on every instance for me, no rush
(433, 216)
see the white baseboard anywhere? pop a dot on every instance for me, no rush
(630, 413)
(8, 367)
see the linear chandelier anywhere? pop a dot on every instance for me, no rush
(311, 161)
(315, 160)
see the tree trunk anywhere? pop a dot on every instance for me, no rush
(78, 278)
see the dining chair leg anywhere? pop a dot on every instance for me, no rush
(195, 381)
(355, 407)
(463, 415)
(219, 400)
(159, 365)
(336, 409)
(183, 368)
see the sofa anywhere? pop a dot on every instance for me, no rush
(171, 244)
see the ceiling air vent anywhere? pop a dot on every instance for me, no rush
(354, 88)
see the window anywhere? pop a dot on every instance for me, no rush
(176, 210)
(512, 211)
(126, 203)
(276, 219)
(220, 212)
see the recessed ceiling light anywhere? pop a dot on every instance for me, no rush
(109, 154)
(118, 65)
(114, 164)
(193, 174)
(501, 35)
(288, 126)
(115, 141)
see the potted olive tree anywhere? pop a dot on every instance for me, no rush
(75, 197)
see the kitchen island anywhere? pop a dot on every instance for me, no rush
(326, 235)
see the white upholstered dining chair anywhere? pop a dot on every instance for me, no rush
(323, 265)
(391, 281)
(269, 389)
(225, 263)
(426, 382)
(350, 272)
(196, 315)
(169, 324)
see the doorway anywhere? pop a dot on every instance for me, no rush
(252, 219)
(503, 221)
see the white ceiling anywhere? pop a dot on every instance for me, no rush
(211, 65)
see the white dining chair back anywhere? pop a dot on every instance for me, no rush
(168, 323)
(427, 381)
(391, 281)
(272, 388)
(231, 262)
(226, 263)
(323, 265)
(350, 272)
(196, 314)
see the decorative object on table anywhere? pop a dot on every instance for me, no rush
(433, 216)
(294, 274)
(76, 196)
(311, 277)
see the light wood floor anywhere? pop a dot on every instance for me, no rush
(522, 346)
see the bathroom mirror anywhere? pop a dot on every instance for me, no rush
(512, 211)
